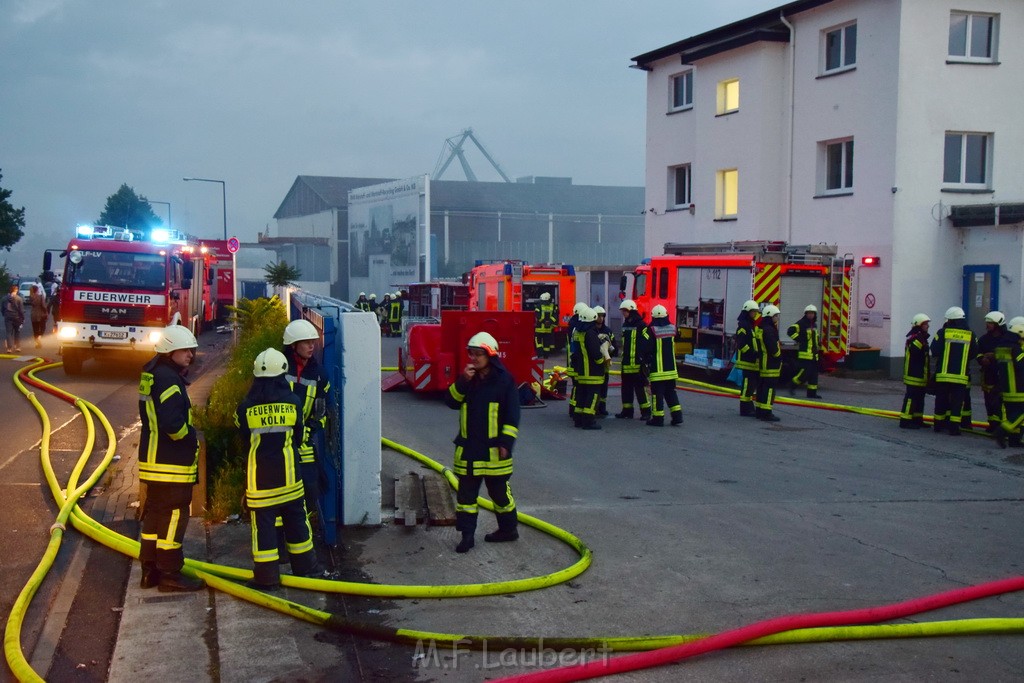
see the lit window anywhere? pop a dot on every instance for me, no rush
(679, 187)
(967, 158)
(728, 96)
(839, 48)
(973, 37)
(682, 91)
(836, 164)
(726, 193)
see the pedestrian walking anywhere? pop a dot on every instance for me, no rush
(916, 373)
(770, 365)
(952, 348)
(39, 313)
(168, 460)
(805, 332)
(748, 354)
(13, 308)
(662, 369)
(635, 340)
(486, 397)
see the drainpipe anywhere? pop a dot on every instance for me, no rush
(792, 109)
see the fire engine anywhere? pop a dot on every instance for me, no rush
(119, 290)
(517, 286)
(703, 287)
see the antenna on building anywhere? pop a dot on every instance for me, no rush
(453, 149)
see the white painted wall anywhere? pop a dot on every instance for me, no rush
(361, 418)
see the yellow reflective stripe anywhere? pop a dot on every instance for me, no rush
(180, 434)
(170, 391)
(460, 397)
(298, 548)
(511, 501)
(492, 420)
(168, 542)
(462, 420)
(471, 509)
(509, 430)
(154, 432)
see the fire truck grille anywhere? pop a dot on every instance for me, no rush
(114, 313)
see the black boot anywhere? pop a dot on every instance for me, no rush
(589, 422)
(502, 536)
(656, 422)
(466, 543)
(746, 409)
(624, 415)
(177, 582)
(677, 419)
(150, 575)
(813, 394)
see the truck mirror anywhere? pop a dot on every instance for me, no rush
(465, 278)
(188, 270)
(186, 283)
(47, 261)
(622, 283)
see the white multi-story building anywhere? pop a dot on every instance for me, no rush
(891, 128)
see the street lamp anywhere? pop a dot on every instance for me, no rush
(223, 195)
(153, 201)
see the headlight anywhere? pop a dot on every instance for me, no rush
(67, 333)
(154, 337)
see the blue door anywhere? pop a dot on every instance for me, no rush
(981, 294)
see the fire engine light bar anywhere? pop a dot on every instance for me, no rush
(84, 231)
(870, 261)
(161, 235)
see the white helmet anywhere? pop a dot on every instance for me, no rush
(270, 363)
(750, 305)
(483, 340)
(587, 314)
(919, 318)
(578, 307)
(954, 313)
(373, 296)
(300, 330)
(545, 296)
(174, 338)
(397, 295)
(1018, 328)
(659, 311)
(362, 293)
(600, 310)
(771, 310)
(995, 317)
(1018, 320)
(627, 305)
(810, 308)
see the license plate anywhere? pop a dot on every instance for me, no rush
(113, 335)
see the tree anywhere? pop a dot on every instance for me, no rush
(126, 209)
(12, 220)
(281, 274)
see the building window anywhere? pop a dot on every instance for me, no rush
(839, 48)
(973, 37)
(729, 96)
(967, 160)
(682, 91)
(835, 160)
(726, 194)
(679, 194)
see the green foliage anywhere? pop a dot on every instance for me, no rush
(12, 222)
(6, 279)
(261, 324)
(226, 492)
(281, 274)
(126, 209)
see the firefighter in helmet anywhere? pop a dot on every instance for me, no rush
(748, 356)
(662, 369)
(916, 373)
(362, 303)
(952, 348)
(1011, 384)
(994, 346)
(544, 325)
(770, 366)
(270, 421)
(168, 460)
(588, 364)
(570, 342)
(395, 315)
(635, 340)
(488, 403)
(805, 332)
(604, 334)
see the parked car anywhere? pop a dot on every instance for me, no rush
(25, 288)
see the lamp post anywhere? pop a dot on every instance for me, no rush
(153, 201)
(223, 195)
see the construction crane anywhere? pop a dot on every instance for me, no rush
(453, 149)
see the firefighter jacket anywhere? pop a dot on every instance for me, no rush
(605, 334)
(635, 339)
(1011, 374)
(545, 317)
(916, 370)
(952, 348)
(312, 388)
(168, 444)
(805, 332)
(395, 311)
(587, 360)
(488, 419)
(570, 336)
(992, 350)
(269, 420)
(771, 350)
(748, 355)
(662, 358)
(363, 304)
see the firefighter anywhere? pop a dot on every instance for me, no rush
(993, 346)
(168, 460)
(569, 342)
(362, 303)
(604, 334)
(372, 301)
(805, 332)
(748, 356)
(588, 364)
(309, 383)
(952, 348)
(488, 402)
(770, 365)
(382, 314)
(635, 339)
(270, 421)
(545, 323)
(662, 369)
(1011, 384)
(395, 315)
(916, 373)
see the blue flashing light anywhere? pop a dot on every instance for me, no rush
(84, 231)
(508, 269)
(569, 270)
(160, 235)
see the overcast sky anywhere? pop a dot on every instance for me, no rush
(94, 94)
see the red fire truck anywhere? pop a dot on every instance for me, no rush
(517, 286)
(120, 288)
(703, 286)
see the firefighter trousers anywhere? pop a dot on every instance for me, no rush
(633, 385)
(602, 397)
(664, 392)
(498, 489)
(299, 537)
(765, 396)
(993, 406)
(807, 373)
(164, 521)
(952, 407)
(913, 406)
(748, 389)
(1012, 423)
(586, 398)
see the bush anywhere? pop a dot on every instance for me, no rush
(226, 492)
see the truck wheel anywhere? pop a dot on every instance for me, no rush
(72, 361)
